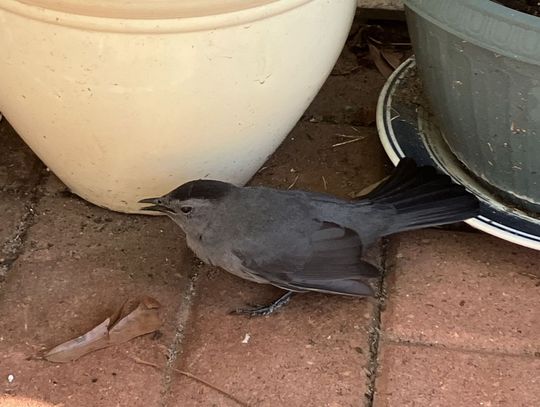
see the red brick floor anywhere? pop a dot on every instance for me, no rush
(424, 375)
(461, 325)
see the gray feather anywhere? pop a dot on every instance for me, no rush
(331, 262)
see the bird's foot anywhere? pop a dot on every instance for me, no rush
(260, 311)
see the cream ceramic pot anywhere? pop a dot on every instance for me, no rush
(129, 99)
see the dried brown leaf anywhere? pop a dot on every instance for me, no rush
(94, 339)
(393, 58)
(121, 327)
(384, 68)
(144, 319)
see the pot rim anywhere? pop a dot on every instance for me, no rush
(132, 17)
(481, 24)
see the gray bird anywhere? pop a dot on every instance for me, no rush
(303, 241)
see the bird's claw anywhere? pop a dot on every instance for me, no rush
(264, 310)
(259, 311)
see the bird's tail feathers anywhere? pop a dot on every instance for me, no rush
(423, 198)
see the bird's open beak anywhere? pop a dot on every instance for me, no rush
(155, 206)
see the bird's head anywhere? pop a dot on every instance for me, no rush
(191, 203)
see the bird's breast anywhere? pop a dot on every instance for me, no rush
(220, 255)
(196, 244)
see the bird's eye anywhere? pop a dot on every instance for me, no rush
(186, 209)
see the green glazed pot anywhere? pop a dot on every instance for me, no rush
(479, 63)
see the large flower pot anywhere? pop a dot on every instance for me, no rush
(479, 63)
(128, 99)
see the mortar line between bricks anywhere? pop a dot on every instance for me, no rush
(176, 348)
(375, 329)
(438, 346)
(14, 245)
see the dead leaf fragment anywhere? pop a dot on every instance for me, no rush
(121, 327)
(93, 340)
(392, 57)
(143, 320)
(382, 65)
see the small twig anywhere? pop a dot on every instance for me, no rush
(345, 136)
(394, 44)
(324, 183)
(192, 376)
(396, 114)
(144, 362)
(530, 275)
(202, 381)
(355, 129)
(348, 142)
(294, 182)
(346, 72)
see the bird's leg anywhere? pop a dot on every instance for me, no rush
(266, 309)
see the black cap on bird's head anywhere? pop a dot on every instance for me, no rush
(202, 189)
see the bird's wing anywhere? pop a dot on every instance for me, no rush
(330, 262)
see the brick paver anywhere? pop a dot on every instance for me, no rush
(422, 376)
(465, 290)
(312, 353)
(12, 209)
(461, 325)
(19, 167)
(79, 264)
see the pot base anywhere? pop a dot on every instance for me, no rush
(407, 129)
